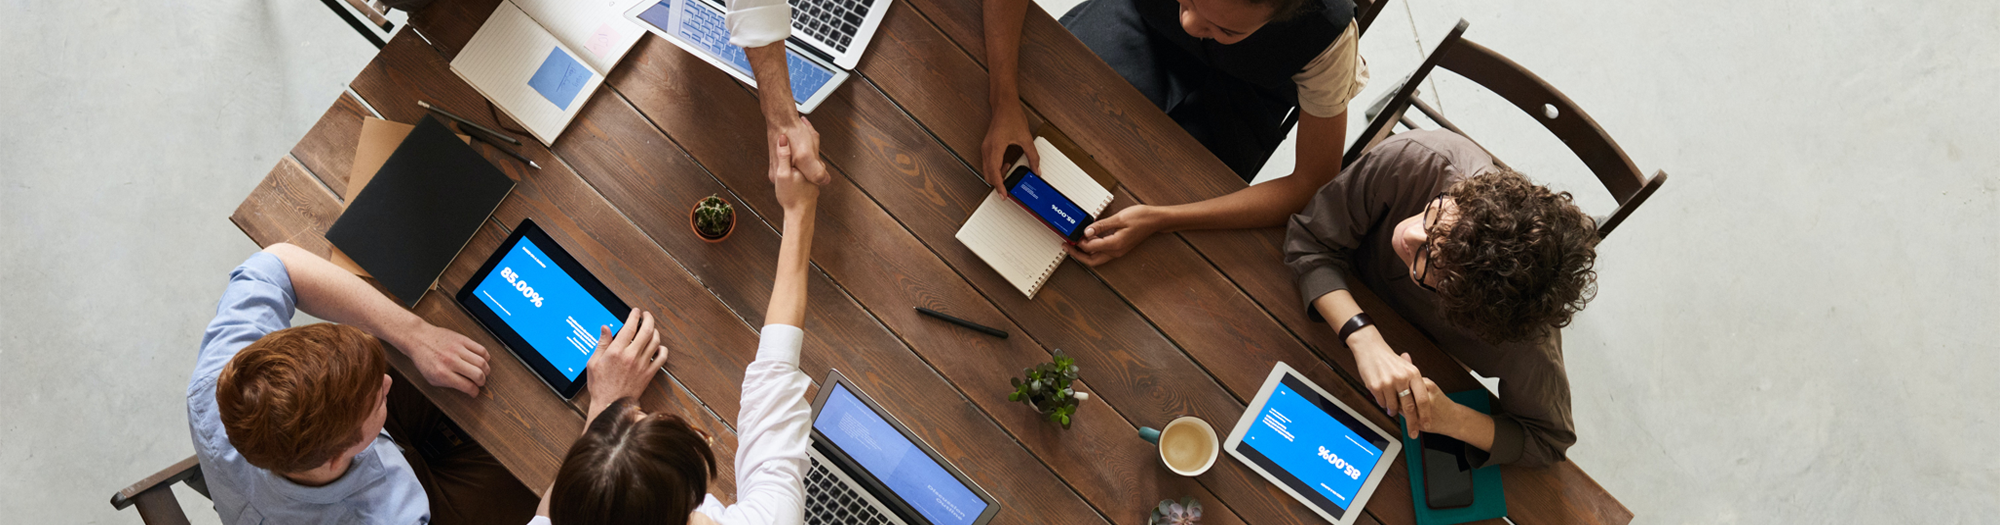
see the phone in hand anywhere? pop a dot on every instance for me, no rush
(1447, 472)
(1056, 210)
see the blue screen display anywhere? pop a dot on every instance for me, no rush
(548, 308)
(1047, 203)
(893, 459)
(702, 25)
(1298, 433)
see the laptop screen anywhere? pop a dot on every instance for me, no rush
(701, 25)
(893, 459)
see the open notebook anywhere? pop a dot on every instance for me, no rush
(1013, 241)
(539, 60)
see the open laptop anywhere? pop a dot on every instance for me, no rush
(867, 469)
(827, 39)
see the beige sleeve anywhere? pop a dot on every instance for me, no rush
(1334, 77)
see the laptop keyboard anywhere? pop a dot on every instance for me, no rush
(830, 501)
(834, 22)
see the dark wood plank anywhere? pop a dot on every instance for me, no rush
(408, 70)
(1201, 310)
(636, 167)
(330, 153)
(921, 178)
(857, 243)
(1064, 82)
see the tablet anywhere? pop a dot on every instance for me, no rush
(538, 301)
(1316, 448)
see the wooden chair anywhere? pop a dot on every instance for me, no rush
(377, 13)
(154, 495)
(1556, 112)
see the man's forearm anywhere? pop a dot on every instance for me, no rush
(774, 84)
(331, 293)
(1003, 20)
(788, 289)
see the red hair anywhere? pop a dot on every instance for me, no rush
(295, 398)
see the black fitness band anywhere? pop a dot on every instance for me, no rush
(1354, 324)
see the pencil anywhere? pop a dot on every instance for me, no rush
(509, 152)
(995, 332)
(475, 125)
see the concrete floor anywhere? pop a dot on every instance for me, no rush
(1798, 329)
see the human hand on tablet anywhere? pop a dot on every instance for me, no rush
(445, 358)
(622, 366)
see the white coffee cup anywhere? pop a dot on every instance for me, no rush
(1187, 446)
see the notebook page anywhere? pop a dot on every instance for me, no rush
(1068, 178)
(1013, 242)
(596, 29)
(525, 71)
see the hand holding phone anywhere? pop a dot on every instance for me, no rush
(1056, 210)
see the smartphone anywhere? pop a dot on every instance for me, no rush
(1447, 472)
(1055, 210)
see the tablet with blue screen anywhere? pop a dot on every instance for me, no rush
(543, 305)
(1313, 446)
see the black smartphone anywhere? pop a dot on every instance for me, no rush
(1447, 472)
(1055, 210)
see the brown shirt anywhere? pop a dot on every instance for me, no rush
(1343, 237)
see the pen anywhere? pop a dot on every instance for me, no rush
(523, 158)
(995, 332)
(461, 120)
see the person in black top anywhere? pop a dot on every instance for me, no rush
(1233, 73)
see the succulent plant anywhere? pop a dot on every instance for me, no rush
(713, 217)
(1169, 512)
(1047, 388)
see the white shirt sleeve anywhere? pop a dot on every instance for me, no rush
(540, 520)
(772, 436)
(1334, 77)
(757, 23)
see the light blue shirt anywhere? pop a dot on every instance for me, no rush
(379, 487)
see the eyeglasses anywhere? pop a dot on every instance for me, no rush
(1433, 212)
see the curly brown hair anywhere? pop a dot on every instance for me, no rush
(1516, 261)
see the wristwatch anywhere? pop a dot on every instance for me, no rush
(1354, 324)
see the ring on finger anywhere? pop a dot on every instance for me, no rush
(1404, 393)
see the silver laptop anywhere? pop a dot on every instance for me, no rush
(867, 469)
(827, 39)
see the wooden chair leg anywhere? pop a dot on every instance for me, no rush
(160, 507)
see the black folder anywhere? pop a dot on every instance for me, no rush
(423, 206)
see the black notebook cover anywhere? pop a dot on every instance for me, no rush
(410, 221)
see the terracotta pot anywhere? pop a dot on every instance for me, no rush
(697, 231)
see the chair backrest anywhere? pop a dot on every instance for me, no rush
(1556, 112)
(376, 11)
(1364, 14)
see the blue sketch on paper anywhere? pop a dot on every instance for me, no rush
(560, 78)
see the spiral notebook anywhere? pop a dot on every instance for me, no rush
(1013, 241)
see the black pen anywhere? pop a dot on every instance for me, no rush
(524, 158)
(995, 332)
(461, 120)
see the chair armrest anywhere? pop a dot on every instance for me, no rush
(181, 471)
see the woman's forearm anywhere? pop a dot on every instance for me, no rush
(788, 291)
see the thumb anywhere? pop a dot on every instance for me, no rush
(1034, 157)
(1105, 226)
(783, 159)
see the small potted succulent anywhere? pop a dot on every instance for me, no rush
(712, 219)
(1185, 512)
(1047, 388)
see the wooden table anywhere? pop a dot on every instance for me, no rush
(1187, 324)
